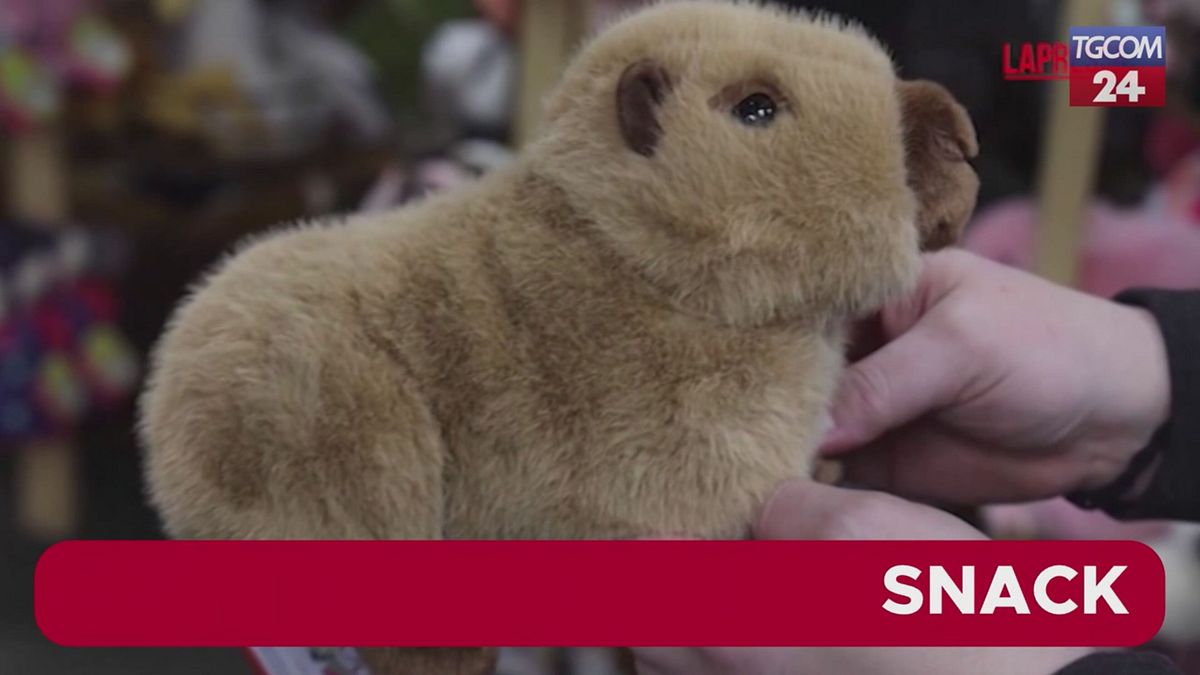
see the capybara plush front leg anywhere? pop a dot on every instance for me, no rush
(430, 661)
(828, 471)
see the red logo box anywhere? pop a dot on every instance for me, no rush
(1110, 86)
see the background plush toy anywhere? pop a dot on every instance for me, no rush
(633, 329)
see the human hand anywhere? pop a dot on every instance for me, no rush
(808, 510)
(994, 385)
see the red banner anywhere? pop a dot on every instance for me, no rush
(599, 593)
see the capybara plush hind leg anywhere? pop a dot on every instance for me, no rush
(339, 449)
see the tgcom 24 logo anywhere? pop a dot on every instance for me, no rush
(1105, 65)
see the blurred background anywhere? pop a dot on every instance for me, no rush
(140, 139)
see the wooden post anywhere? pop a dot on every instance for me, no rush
(549, 33)
(47, 471)
(1067, 173)
(37, 187)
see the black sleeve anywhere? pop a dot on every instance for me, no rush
(1121, 663)
(1174, 490)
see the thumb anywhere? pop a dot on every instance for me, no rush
(804, 509)
(914, 374)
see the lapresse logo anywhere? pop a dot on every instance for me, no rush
(1106, 65)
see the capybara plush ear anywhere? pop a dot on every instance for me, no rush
(938, 139)
(643, 87)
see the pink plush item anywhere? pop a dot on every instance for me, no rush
(1170, 139)
(27, 18)
(1122, 248)
(504, 14)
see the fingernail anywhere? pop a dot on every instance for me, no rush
(764, 512)
(826, 423)
(829, 431)
(835, 440)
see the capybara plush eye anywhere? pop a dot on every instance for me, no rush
(756, 110)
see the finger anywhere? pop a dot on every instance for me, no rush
(941, 273)
(878, 390)
(807, 510)
(929, 463)
(802, 509)
(917, 373)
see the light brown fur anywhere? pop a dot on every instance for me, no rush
(596, 343)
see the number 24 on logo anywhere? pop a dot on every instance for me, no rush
(1110, 89)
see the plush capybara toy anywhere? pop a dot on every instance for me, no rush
(634, 330)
